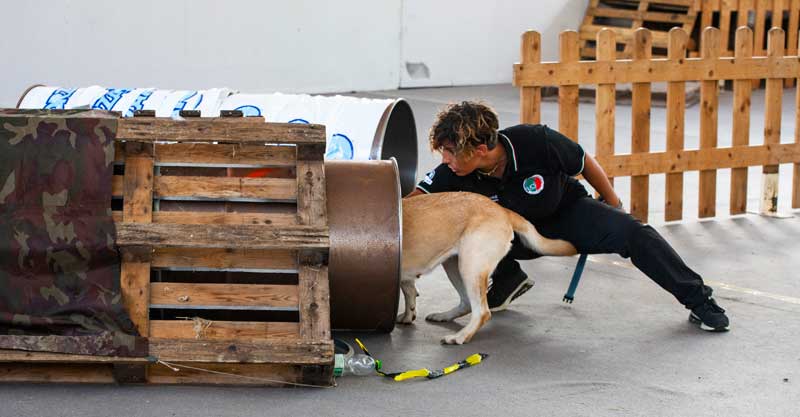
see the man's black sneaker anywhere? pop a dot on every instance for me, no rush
(710, 316)
(502, 292)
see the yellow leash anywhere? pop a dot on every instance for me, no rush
(472, 360)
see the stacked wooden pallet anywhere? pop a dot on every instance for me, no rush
(227, 275)
(625, 16)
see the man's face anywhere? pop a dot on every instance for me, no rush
(460, 164)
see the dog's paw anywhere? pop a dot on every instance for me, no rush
(453, 339)
(406, 318)
(439, 317)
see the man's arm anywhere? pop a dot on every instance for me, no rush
(416, 191)
(595, 175)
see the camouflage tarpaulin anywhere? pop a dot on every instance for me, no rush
(59, 268)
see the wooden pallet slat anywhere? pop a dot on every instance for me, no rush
(240, 351)
(147, 129)
(190, 217)
(223, 236)
(201, 329)
(224, 258)
(181, 295)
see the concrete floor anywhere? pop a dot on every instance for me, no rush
(624, 348)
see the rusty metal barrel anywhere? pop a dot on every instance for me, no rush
(364, 214)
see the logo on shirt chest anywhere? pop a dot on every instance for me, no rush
(533, 184)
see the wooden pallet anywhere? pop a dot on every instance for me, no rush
(226, 275)
(625, 16)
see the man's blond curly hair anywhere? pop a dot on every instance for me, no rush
(464, 125)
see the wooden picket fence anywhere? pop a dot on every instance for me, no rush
(532, 74)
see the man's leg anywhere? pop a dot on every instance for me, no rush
(509, 281)
(594, 227)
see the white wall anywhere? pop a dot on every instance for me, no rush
(249, 45)
(462, 42)
(254, 46)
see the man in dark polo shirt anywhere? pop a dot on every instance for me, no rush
(530, 169)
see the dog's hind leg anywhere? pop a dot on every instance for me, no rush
(479, 255)
(463, 307)
(409, 287)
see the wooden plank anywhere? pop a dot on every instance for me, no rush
(708, 13)
(177, 295)
(725, 23)
(282, 189)
(184, 217)
(709, 107)
(150, 129)
(224, 258)
(311, 199)
(676, 105)
(222, 236)
(21, 356)
(605, 99)
(640, 127)
(744, 7)
(200, 154)
(776, 20)
(588, 19)
(655, 70)
(761, 7)
(224, 330)
(56, 373)
(741, 122)
(314, 301)
(791, 33)
(239, 351)
(137, 208)
(530, 96)
(568, 94)
(137, 189)
(217, 154)
(796, 173)
(173, 186)
(189, 217)
(623, 34)
(700, 159)
(269, 375)
(677, 18)
(772, 125)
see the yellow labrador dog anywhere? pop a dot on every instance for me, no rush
(468, 234)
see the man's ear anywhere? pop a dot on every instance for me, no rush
(482, 150)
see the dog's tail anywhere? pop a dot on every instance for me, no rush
(533, 240)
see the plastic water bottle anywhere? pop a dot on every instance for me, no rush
(357, 364)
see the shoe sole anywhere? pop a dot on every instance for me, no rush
(696, 320)
(522, 288)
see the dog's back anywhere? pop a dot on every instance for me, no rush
(433, 224)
